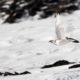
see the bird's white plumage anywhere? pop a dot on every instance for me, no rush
(62, 35)
(60, 32)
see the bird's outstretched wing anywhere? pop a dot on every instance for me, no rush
(59, 29)
(72, 40)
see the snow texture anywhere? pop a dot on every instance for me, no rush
(25, 46)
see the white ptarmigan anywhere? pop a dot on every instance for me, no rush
(62, 36)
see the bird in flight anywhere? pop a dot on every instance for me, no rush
(63, 37)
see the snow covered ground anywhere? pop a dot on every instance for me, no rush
(25, 46)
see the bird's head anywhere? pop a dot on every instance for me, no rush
(56, 42)
(53, 41)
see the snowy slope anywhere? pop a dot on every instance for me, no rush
(25, 46)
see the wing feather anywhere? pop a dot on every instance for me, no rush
(60, 32)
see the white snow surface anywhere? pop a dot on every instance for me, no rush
(25, 46)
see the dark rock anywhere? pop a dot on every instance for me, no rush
(32, 12)
(13, 74)
(43, 15)
(51, 1)
(13, 7)
(14, 15)
(1, 73)
(25, 72)
(7, 11)
(51, 9)
(17, 8)
(2, 3)
(7, 74)
(16, 73)
(58, 63)
(74, 66)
